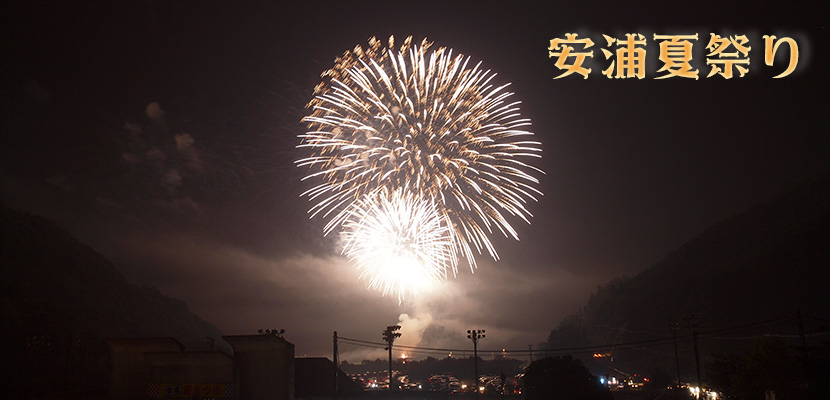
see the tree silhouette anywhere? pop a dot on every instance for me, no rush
(562, 378)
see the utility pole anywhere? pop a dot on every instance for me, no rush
(475, 335)
(389, 335)
(674, 327)
(801, 333)
(335, 357)
(805, 364)
(693, 322)
(530, 351)
(697, 357)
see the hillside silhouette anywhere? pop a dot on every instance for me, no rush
(744, 278)
(59, 299)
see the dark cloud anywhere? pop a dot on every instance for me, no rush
(182, 206)
(61, 182)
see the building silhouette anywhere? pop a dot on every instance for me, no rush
(262, 367)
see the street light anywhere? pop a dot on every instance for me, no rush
(475, 335)
(389, 335)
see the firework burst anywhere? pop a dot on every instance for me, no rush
(424, 127)
(399, 241)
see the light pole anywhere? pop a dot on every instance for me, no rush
(475, 335)
(335, 357)
(389, 335)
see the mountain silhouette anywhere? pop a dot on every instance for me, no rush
(59, 299)
(752, 275)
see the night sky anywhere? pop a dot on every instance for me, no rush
(163, 135)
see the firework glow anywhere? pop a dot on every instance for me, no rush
(417, 157)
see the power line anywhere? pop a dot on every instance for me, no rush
(583, 349)
(817, 319)
(770, 335)
(341, 338)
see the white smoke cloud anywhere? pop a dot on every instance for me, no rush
(184, 141)
(240, 291)
(133, 130)
(154, 112)
(156, 157)
(168, 168)
(412, 328)
(188, 152)
(311, 296)
(130, 158)
(172, 178)
(488, 300)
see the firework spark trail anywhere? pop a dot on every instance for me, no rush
(426, 125)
